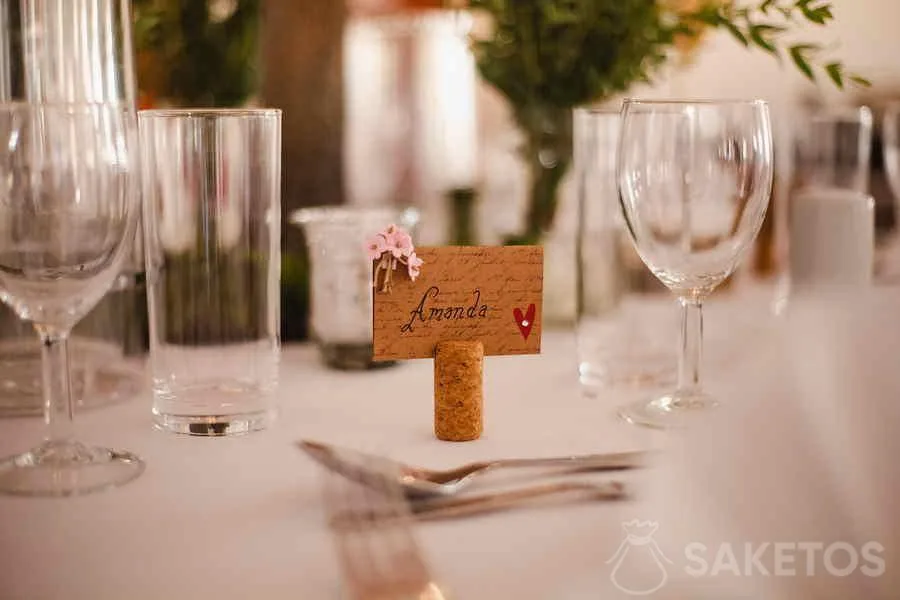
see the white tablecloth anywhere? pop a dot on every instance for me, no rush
(241, 517)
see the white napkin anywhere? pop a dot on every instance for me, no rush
(802, 459)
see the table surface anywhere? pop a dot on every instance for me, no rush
(242, 517)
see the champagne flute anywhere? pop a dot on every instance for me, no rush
(68, 210)
(694, 183)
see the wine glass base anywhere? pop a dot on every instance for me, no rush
(672, 411)
(56, 469)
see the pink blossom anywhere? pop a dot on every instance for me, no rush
(414, 265)
(398, 241)
(400, 244)
(376, 246)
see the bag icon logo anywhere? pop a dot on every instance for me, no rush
(642, 553)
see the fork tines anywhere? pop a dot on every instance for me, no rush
(372, 528)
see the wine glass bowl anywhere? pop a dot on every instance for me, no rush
(68, 213)
(694, 184)
(64, 208)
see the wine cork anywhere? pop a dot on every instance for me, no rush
(458, 372)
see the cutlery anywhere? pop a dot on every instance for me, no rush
(441, 508)
(377, 550)
(417, 482)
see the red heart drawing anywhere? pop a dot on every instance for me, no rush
(525, 322)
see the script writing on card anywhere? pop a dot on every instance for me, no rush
(487, 294)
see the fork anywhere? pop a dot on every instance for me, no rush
(372, 527)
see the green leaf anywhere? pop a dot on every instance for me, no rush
(807, 49)
(798, 55)
(736, 32)
(764, 7)
(835, 71)
(819, 14)
(761, 36)
(862, 81)
(819, 17)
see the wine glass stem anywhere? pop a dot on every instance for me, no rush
(691, 345)
(59, 413)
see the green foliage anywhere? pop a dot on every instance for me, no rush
(294, 295)
(222, 302)
(764, 25)
(194, 57)
(563, 53)
(548, 56)
(462, 217)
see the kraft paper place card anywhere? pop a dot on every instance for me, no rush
(488, 294)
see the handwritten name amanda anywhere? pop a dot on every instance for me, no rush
(440, 313)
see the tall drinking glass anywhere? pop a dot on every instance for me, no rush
(833, 150)
(212, 209)
(889, 267)
(694, 181)
(623, 323)
(68, 212)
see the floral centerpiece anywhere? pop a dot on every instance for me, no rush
(197, 53)
(547, 57)
(205, 53)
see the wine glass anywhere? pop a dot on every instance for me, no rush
(68, 209)
(74, 51)
(694, 183)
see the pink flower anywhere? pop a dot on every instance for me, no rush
(414, 265)
(398, 241)
(376, 246)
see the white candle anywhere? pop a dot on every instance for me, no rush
(832, 238)
(447, 99)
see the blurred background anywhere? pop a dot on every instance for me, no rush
(384, 105)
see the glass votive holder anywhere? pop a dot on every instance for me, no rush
(341, 279)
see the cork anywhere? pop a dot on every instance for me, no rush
(458, 371)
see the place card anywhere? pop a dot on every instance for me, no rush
(490, 295)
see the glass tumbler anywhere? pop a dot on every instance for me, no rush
(624, 326)
(212, 182)
(833, 150)
(341, 279)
